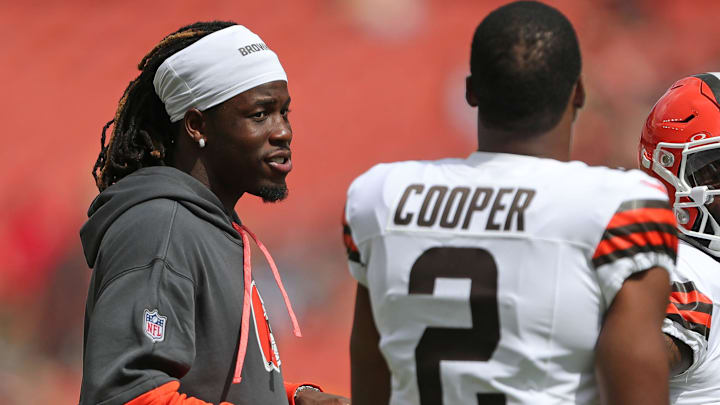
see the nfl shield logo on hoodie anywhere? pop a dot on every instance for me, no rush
(154, 325)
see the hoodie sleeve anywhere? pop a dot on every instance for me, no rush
(140, 334)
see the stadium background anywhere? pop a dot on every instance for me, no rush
(371, 81)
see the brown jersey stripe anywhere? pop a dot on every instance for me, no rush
(694, 307)
(630, 252)
(686, 286)
(352, 250)
(639, 227)
(608, 246)
(697, 317)
(689, 325)
(687, 298)
(640, 234)
(635, 204)
(686, 295)
(354, 257)
(693, 314)
(640, 215)
(699, 307)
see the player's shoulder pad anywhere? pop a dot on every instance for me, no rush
(367, 197)
(597, 193)
(607, 190)
(633, 182)
(372, 178)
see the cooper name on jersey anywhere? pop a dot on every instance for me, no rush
(444, 207)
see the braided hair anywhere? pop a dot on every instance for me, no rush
(142, 132)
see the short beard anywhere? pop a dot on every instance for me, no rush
(272, 194)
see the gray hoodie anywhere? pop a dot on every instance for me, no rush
(166, 295)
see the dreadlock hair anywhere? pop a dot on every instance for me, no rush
(142, 132)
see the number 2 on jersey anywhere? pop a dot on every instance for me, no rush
(475, 344)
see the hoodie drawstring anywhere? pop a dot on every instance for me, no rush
(247, 295)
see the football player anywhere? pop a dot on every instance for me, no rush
(513, 276)
(680, 146)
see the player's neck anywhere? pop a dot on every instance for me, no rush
(186, 159)
(553, 144)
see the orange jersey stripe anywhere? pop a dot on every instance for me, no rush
(349, 243)
(623, 242)
(692, 316)
(659, 215)
(672, 309)
(697, 317)
(347, 236)
(689, 297)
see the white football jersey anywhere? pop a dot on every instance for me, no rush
(489, 276)
(694, 302)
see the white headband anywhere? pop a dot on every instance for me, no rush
(214, 69)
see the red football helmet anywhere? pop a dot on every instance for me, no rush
(680, 146)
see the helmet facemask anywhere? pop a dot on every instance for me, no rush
(697, 187)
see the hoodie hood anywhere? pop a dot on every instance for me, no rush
(147, 184)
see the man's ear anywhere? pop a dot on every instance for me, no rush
(579, 96)
(194, 123)
(470, 93)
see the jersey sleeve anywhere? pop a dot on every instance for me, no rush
(140, 335)
(364, 207)
(357, 268)
(641, 234)
(689, 317)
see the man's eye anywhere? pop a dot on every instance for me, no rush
(260, 115)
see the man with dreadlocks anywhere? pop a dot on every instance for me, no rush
(173, 315)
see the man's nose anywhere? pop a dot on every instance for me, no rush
(282, 134)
